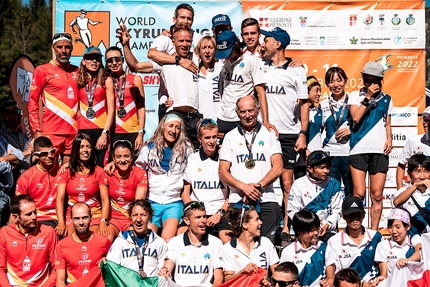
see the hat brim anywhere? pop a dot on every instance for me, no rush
(223, 54)
(353, 210)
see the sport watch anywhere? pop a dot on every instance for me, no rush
(177, 59)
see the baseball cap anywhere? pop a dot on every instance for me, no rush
(91, 50)
(224, 44)
(373, 69)
(279, 35)
(351, 205)
(220, 19)
(425, 113)
(318, 157)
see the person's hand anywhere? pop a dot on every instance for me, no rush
(375, 281)
(103, 229)
(37, 134)
(402, 262)
(341, 133)
(300, 144)
(295, 63)
(271, 127)
(138, 143)
(64, 168)
(189, 65)
(324, 228)
(213, 220)
(167, 33)
(388, 146)
(102, 142)
(169, 102)
(61, 229)
(251, 191)
(265, 283)
(164, 272)
(372, 90)
(250, 268)
(123, 35)
(324, 283)
(109, 168)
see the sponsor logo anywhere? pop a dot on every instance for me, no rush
(368, 20)
(410, 20)
(396, 20)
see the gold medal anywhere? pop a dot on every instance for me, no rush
(249, 163)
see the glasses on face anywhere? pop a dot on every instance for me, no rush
(93, 57)
(45, 153)
(281, 283)
(114, 59)
(372, 81)
(425, 120)
(15, 112)
(206, 122)
(194, 204)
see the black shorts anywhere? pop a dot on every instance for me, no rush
(288, 141)
(371, 162)
(220, 226)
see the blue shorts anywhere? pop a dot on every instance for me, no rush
(162, 212)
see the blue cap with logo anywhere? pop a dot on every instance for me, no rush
(279, 35)
(224, 44)
(220, 19)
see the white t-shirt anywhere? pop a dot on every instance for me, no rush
(414, 145)
(194, 265)
(234, 150)
(209, 94)
(164, 44)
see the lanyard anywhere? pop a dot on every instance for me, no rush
(90, 92)
(139, 254)
(119, 91)
(333, 113)
(254, 134)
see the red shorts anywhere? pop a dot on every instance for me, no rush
(62, 143)
(121, 224)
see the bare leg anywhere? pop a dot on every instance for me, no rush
(170, 226)
(377, 182)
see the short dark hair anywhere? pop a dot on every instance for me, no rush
(332, 71)
(250, 22)
(124, 144)
(290, 268)
(304, 221)
(348, 275)
(144, 203)
(41, 142)
(113, 48)
(418, 160)
(15, 203)
(182, 28)
(4, 107)
(184, 6)
(187, 212)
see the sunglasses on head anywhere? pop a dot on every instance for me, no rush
(116, 59)
(194, 204)
(319, 156)
(281, 283)
(62, 35)
(45, 153)
(245, 207)
(207, 121)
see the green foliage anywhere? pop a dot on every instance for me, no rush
(24, 29)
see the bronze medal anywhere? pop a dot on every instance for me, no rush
(249, 163)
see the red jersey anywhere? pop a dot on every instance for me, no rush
(42, 187)
(129, 123)
(122, 191)
(99, 107)
(27, 260)
(85, 188)
(77, 257)
(59, 91)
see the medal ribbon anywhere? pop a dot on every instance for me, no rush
(90, 92)
(139, 255)
(254, 134)
(333, 113)
(119, 91)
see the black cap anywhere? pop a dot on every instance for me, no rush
(318, 157)
(352, 204)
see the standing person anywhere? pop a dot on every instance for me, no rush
(315, 115)
(41, 181)
(335, 111)
(56, 83)
(285, 86)
(77, 254)
(86, 182)
(165, 156)
(139, 249)
(27, 248)
(129, 100)
(126, 184)
(241, 76)
(413, 145)
(250, 161)
(370, 140)
(250, 33)
(202, 184)
(96, 102)
(194, 250)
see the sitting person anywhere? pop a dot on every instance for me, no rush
(286, 274)
(307, 252)
(347, 277)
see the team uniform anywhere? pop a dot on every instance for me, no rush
(122, 192)
(389, 251)
(77, 257)
(314, 141)
(93, 126)
(59, 90)
(42, 187)
(284, 87)
(263, 254)
(123, 252)
(414, 145)
(85, 188)
(27, 260)
(322, 197)
(209, 94)
(418, 223)
(235, 151)
(344, 253)
(164, 44)
(195, 264)
(310, 261)
(165, 178)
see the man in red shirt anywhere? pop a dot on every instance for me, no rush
(56, 83)
(41, 181)
(27, 248)
(78, 253)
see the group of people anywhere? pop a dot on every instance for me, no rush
(196, 201)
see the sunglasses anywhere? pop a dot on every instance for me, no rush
(319, 156)
(281, 283)
(194, 204)
(116, 59)
(245, 207)
(45, 153)
(93, 57)
(206, 122)
(372, 81)
(15, 112)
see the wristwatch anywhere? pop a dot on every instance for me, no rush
(141, 131)
(222, 212)
(365, 102)
(177, 59)
(106, 132)
(304, 132)
(105, 220)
